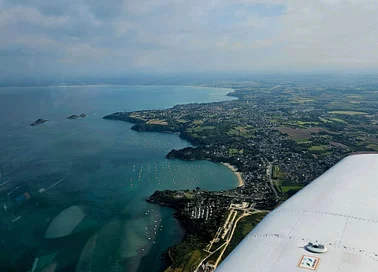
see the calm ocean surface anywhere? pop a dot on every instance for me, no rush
(72, 192)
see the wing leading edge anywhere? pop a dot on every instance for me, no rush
(338, 210)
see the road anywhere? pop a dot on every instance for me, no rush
(269, 171)
(208, 256)
(229, 238)
(230, 234)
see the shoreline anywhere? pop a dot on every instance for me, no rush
(110, 85)
(238, 174)
(168, 260)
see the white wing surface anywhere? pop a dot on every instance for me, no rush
(338, 210)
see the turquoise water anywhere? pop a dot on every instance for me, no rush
(96, 174)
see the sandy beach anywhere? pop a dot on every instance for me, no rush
(238, 174)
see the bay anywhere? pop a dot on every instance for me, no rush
(96, 174)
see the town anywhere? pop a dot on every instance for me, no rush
(279, 137)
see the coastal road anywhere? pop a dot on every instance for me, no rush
(224, 246)
(208, 256)
(232, 234)
(229, 239)
(232, 220)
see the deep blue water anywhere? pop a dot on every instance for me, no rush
(96, 174)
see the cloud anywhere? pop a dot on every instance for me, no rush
(87, 36)
(27, 15)
(333, 33)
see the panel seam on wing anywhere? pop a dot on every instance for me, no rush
(327, 213)
(296, 223)
(371, 255)
(342, 235)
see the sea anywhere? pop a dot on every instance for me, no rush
(73, 192)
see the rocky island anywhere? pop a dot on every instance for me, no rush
(38, 122)
(76, 116)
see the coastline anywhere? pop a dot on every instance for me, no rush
(238, 174)
(168, 253)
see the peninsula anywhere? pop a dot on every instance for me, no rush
(277, 138)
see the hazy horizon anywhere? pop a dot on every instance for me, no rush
(341, 79)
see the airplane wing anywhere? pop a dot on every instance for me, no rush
(330, 225)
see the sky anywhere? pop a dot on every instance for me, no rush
(115, 37)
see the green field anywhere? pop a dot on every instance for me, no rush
(276, 173)
(234, 151)
(355, 97)
(373, 146)
(338, 120)
(241, 128)
(304, 141)
(324, 120)
(286, 188)
(201, 128)
(318, 148)
(302, 100)
(275, 121)
(242, 229)
(277, 183)
(355, 102)
(244, 131)
(189, 262)
(348, 112)
(301, 123)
